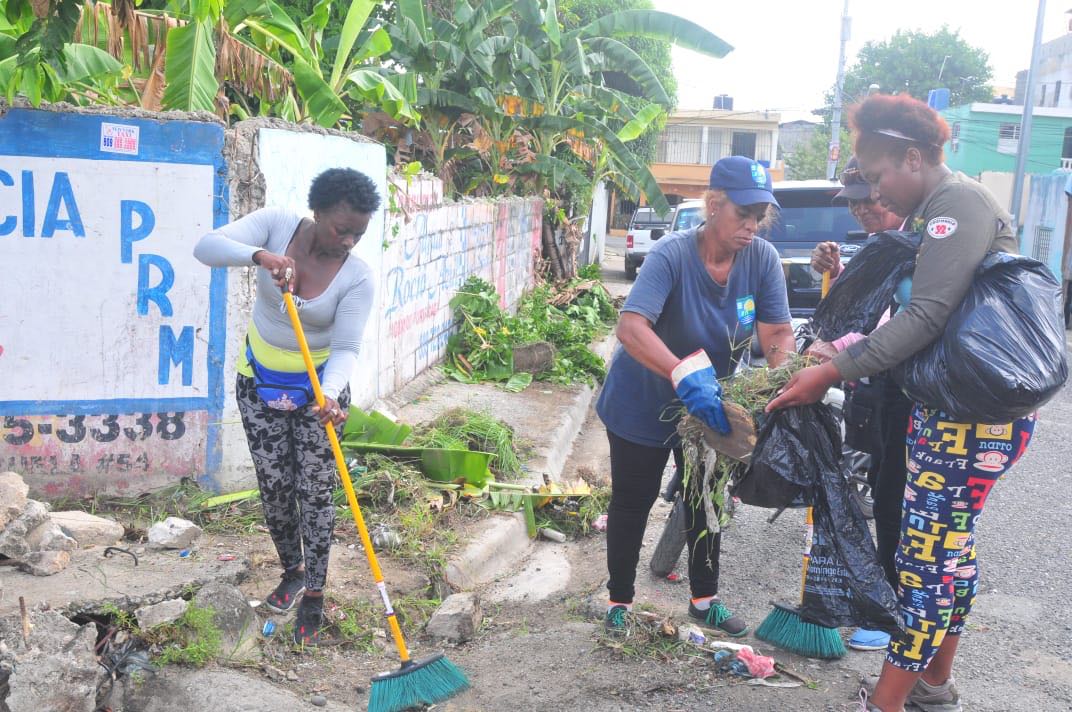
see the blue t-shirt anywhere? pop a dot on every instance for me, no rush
(690, 311)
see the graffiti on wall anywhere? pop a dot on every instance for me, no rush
(431, 258)
(100, 214)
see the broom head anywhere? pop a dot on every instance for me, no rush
(418, 682)
(784, 628)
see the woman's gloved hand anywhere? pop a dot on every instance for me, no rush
(697, 386)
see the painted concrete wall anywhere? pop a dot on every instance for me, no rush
(117, 362)
(111, 334)
(978, 148)
(1044, 222)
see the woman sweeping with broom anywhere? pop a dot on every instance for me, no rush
(899, 146)
(284, 427)
(702, 295)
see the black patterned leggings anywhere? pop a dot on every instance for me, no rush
(296, 476)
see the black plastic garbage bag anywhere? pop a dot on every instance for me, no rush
(845, 585)
(861, 294)
(1002, 354)
(793, 447)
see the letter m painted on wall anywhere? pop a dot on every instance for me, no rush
(178, 351)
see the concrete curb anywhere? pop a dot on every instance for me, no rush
(496, 548)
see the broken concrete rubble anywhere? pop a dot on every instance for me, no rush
(48, 536)
(13, 539)
(160, 613)
(88, 529)
(13, 493)
(45, 563)
(234, 617)
(174, 533)
(58, 670)
(458, 619)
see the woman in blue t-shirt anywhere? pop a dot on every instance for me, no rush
(701, 297)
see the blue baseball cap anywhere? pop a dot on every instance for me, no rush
(745, 181)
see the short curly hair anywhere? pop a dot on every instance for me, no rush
(336, 186)
(904, 115)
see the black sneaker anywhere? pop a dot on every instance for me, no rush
(616, 622)
(308, 621)
(718, 616)
(286, 594)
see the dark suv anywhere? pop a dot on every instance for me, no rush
(807, 217)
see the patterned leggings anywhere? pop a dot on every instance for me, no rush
(951, 470)
(296, 475)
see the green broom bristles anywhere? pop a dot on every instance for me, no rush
(419, 682)
(784, 628)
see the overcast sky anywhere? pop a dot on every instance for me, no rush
(786, 51)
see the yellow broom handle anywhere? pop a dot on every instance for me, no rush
(347, 485)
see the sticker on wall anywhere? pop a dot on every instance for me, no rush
(119, 138)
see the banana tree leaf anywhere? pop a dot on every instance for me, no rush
(85, 62)
(356, 17)
(374, 427)
(375, 88)
(640, 123)
(452, 465)
(7, 46)
(273, 21)
(413, 10)
(550, 24)
(376, 45)
(657, 25)
(620, 58)
(322, 104)
(518, 382)
(190, 68)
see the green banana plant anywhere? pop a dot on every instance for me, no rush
(266, 26)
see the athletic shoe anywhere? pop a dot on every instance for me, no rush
(308, 621)
(616, 623)
(286, 594)
(718, 616)
(925, 697)
(864, 639)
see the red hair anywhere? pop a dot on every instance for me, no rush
(920, 125)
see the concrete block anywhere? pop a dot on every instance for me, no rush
(59, 671)
(174, 533)
(88, 529)
(45, 563)
(48, 536)
(13, 491)
(457, 619)
(160, 613)
(13, 539)
(233, 616)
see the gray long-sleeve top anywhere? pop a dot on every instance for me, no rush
(335, 319)
(960, 222)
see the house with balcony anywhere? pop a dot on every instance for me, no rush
(986, 138)
(692, 141)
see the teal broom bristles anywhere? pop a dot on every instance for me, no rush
(419, 682)
(784, 628)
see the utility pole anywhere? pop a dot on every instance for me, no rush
(1025, 122)
(835, 122)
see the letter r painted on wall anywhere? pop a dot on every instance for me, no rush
(157, 294)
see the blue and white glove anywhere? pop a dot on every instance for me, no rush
(697, 386)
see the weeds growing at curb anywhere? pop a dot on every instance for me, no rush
(194, 639)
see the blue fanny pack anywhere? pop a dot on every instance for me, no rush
(281, 390)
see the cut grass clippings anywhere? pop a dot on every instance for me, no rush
(470, 430)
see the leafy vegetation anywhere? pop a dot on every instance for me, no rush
(194, 639)
(468, 430)
(569, 319)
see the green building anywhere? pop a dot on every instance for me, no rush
(987, 136)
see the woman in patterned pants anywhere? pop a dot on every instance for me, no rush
(333, 291)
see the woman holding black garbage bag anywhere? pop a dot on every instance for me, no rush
(701, 297)
(951, 465)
